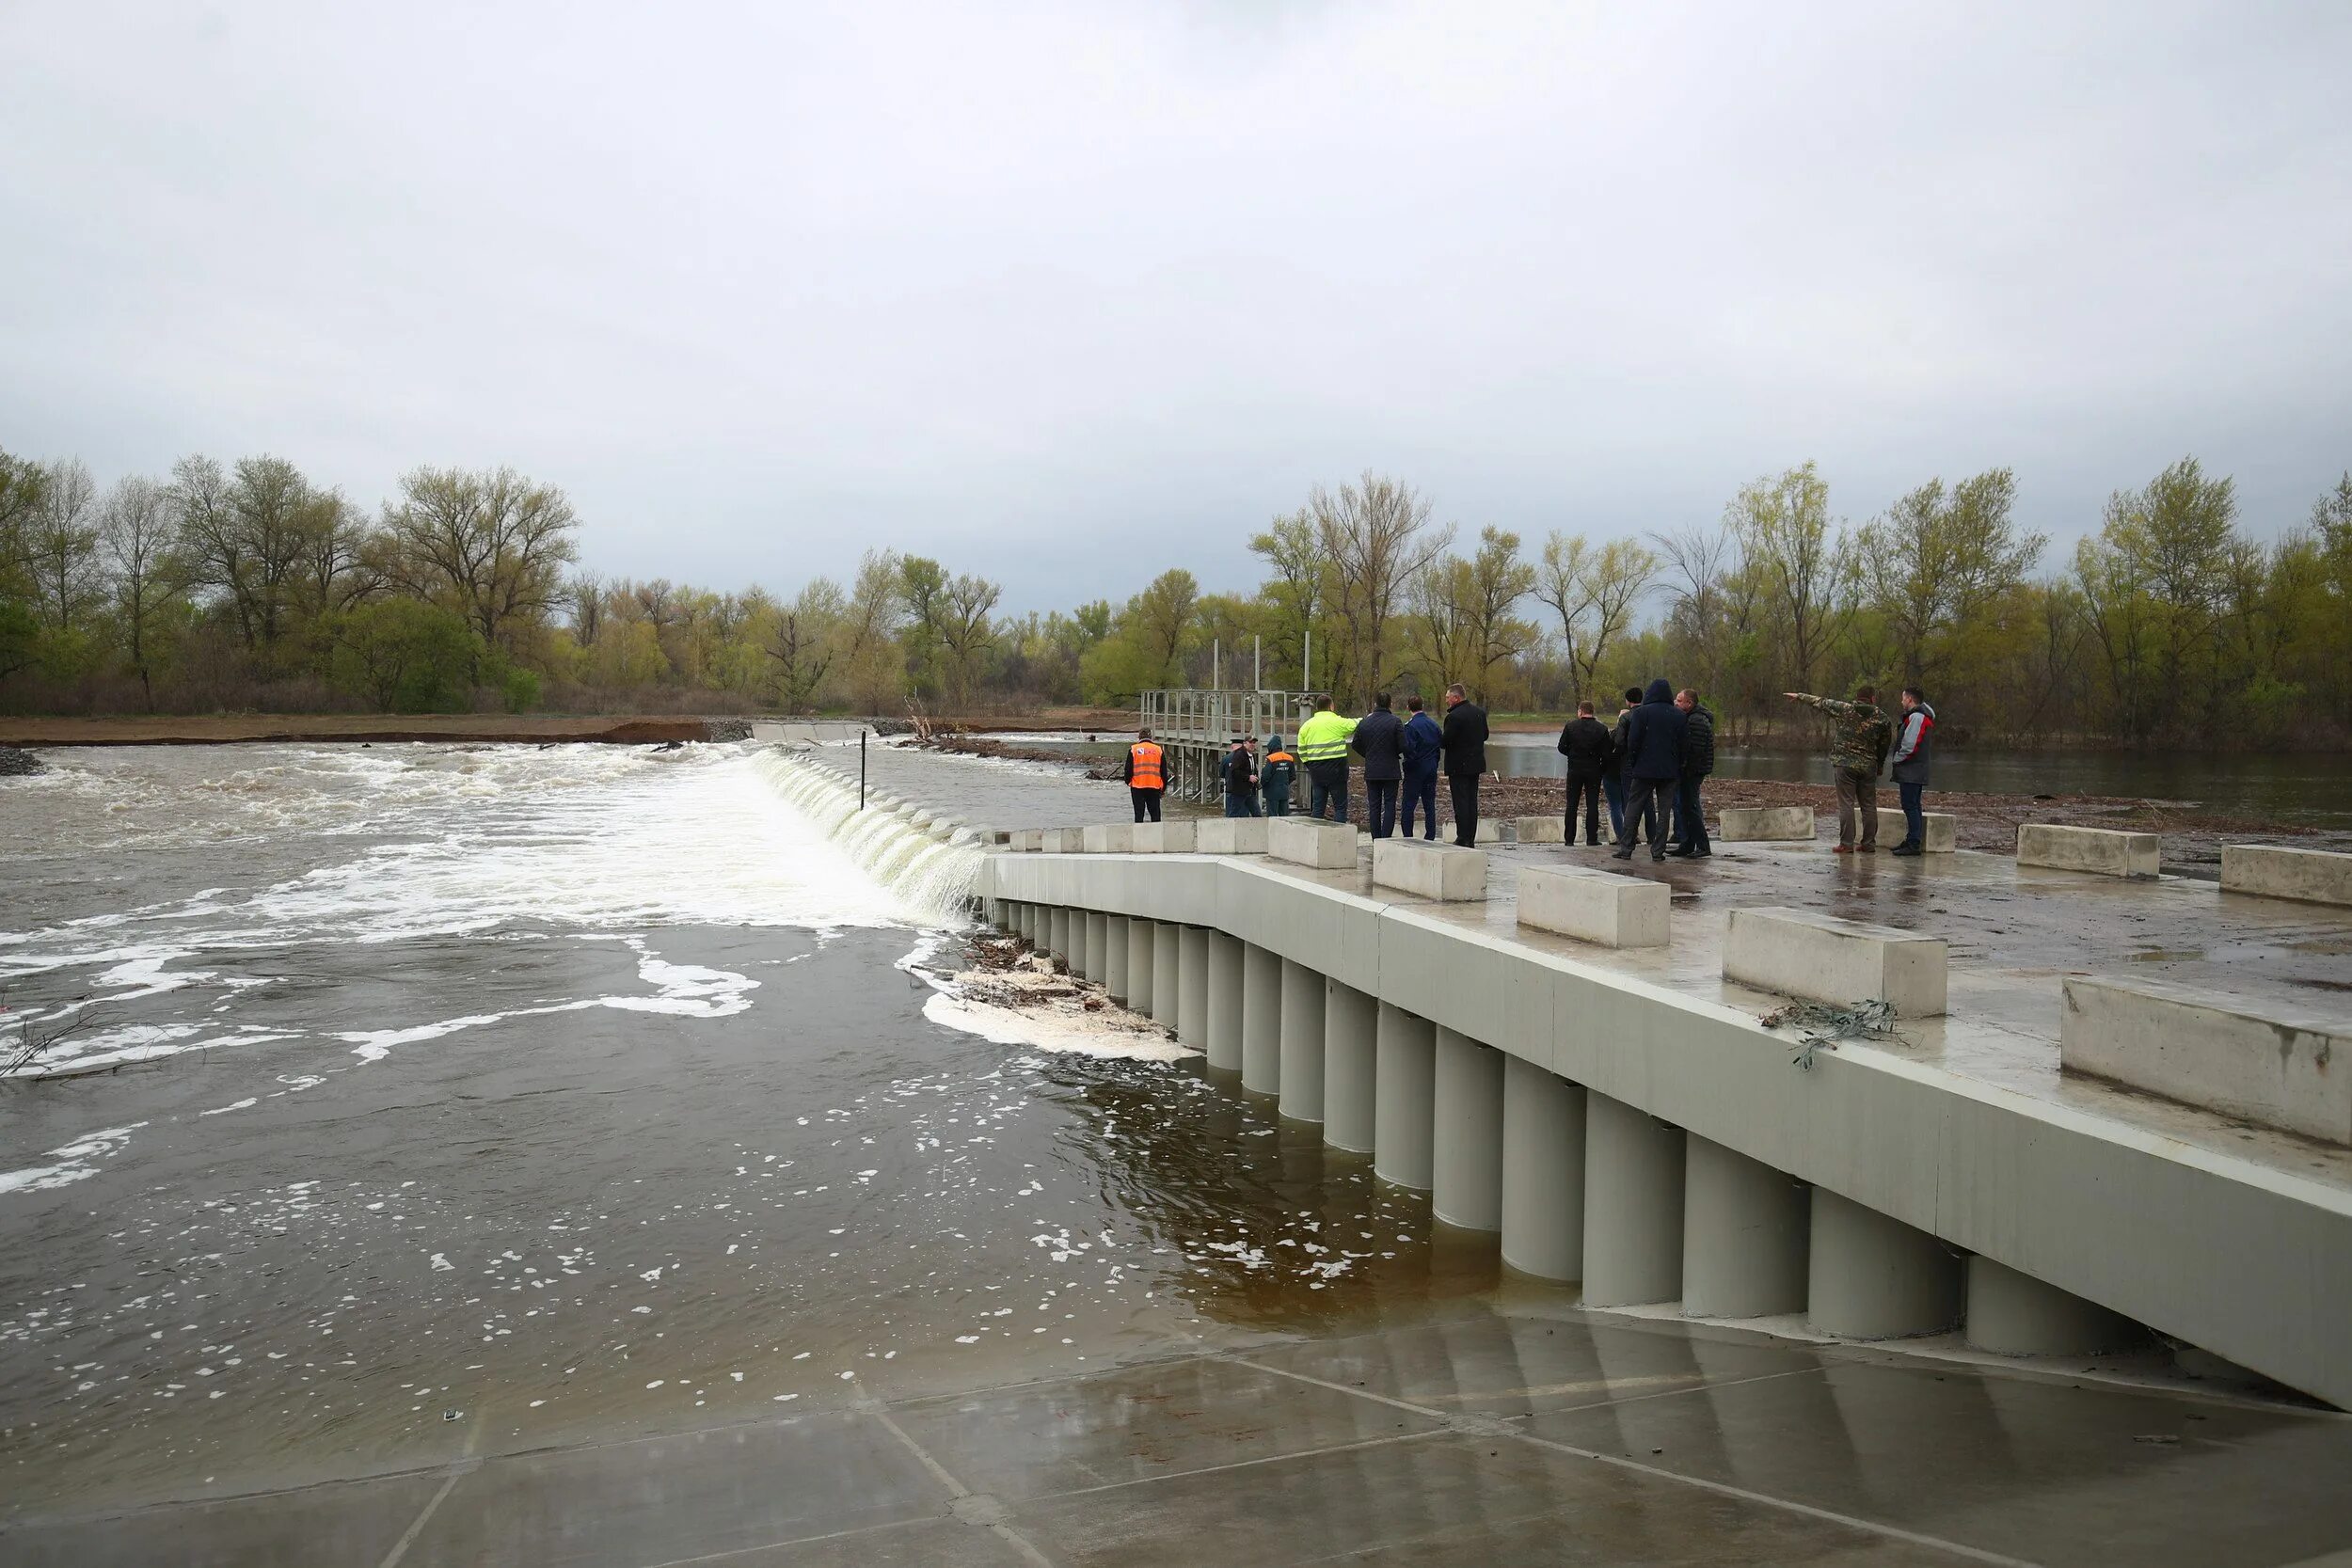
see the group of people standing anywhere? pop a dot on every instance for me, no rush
(1402, 759)
(1649, 770)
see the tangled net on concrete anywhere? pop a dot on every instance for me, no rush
(1821, 1026)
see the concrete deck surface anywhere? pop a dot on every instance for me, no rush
(2014, 933)
(1489, 1438)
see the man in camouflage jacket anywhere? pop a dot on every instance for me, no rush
(1857, 750)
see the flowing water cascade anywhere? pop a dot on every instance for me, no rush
(930, 868)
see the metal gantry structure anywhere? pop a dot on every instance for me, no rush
(1195, 726)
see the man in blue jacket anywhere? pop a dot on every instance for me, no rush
(1424, 744)
(1379, 739)
(1653, 763)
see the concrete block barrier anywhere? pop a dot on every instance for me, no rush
(1442, 871)
(1164, 838)
(1594, 906)
(2101, 851)
(1027, 841)
(1798, 953)
(2310, 876)
(1942, 832)
(2258, 1061)
(1539, 830)
(1765, 824)
(1230, 835)
(1108, 838)
(1303, 841)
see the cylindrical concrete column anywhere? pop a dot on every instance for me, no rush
(1261, 1021)
(1465, 1138)
(1143, 948)
(1057, 932)
(1632, 1205)
(1168, 973)
(1543, 1172)
(1302, 1043)
(1225, 970)
(1875, 1277)
(1404, 1096)
(1350, 1067)
(1098, 946)
(1743, 1233)
(1192, 990)
(1115, 956)
(2016, 1314)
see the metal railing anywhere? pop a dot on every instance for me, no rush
(1195, 725)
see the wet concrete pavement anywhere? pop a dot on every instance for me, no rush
(1552, 1438)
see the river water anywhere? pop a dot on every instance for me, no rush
(402, 1102)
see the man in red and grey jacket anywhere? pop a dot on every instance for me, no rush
(1911, 768)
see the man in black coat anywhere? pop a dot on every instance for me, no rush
(1613, 772)
(1653, 761)
(1698, 761)
(1379, 739)
(1585, 740)
(1465, 761)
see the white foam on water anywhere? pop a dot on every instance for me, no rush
(76, 1161)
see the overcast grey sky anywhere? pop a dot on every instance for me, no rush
(1067, 294)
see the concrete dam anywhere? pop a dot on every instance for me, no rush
(2109, 1113)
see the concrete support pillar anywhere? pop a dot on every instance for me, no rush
(1142, 949)
(1302, 1043)
(1057, 932)
(1743, 1235)
(1543, 1172)
(1225, 972)
(1406, 1093)
(1350, 1067)
(2016, 1314)
(1466, 1141)
(1025, 921)
(1632, 1205)
(1192, 989)
(1875, 1277)
(1115, 956)
(1098, 946)
(1261, 1021)
(1168, 977)
(1078, 942)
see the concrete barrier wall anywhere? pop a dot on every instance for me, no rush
(1594, 906)
(1108, 838)
(1230, 835)
(1764, 824)
(1539, 830)
(1302, 841)
(2272, 871)
(1441, 871)
(1166, 838)
(2249, 1263)
(1799, 953)
(2282, 1069)
(2101, 851)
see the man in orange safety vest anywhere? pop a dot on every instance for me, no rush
(1146, 776)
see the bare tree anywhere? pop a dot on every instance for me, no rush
(1377, 537)
(60, 544)
(490, 543)
(1301, 580)
(1593, 592)
(136, 533)
(803, 642)
(966, 632)
(1784, 526)
(584, 596)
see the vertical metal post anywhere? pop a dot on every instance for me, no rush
(861, 768)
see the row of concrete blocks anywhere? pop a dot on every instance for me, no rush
(1579, 1187)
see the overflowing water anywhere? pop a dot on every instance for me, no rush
(398, 1102)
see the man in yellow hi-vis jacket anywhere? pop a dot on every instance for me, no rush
(1323, 747)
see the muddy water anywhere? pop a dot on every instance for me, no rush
(413, 1102)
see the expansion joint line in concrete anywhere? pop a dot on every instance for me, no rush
(1660, 1472)
(457, 1470)
(961, 1495)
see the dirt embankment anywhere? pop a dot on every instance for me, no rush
(222, 729)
